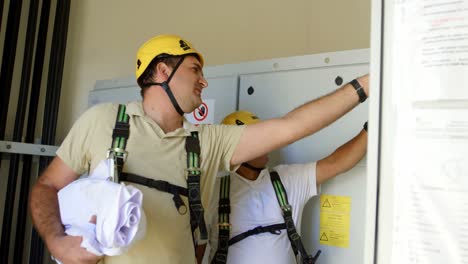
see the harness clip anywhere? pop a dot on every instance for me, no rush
(115, 154)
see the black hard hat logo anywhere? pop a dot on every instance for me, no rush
(239, 123)
(138, 63)
(184, 45)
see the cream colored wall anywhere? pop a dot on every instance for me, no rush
(104, 35)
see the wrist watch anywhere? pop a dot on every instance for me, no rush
(359, 90)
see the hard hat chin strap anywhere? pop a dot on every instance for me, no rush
(165, 86)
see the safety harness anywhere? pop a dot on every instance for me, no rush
(224, 227)
(118, 153)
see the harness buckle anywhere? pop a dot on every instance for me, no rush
(225, 225)
(111, 153)
(192, 169)
(258, 230)
(311, 260)
(220, 257)
(286, 207)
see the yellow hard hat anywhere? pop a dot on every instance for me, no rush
(240, 118)
(163, 44)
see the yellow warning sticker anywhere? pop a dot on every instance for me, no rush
(334, 220)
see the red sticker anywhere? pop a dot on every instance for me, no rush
(201, 112)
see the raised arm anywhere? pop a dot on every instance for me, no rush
(343, 158)
(264, 137)
(46, 215)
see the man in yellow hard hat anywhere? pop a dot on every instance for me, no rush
(171, 161)
(256, 228)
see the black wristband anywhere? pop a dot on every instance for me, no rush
(359, 90)
(365, 126)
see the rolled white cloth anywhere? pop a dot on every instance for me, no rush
(120, 219)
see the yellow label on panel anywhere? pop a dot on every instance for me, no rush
(334, 220)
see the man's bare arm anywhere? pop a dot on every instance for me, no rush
(264, 137)
(44, 203)
(46, 215)
(343, 158)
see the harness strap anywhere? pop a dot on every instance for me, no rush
(224, 227)
(197, 218)
(159, 185)
(294, 237)
(120, 135)
(275, 229)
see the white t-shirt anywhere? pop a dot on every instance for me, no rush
(254, 203)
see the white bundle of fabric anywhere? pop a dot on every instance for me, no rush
(120, 219)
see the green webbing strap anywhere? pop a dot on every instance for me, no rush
(224, 208)
(197, 219)
(280, 192)
(294, 237)
(120, 135)
(224, 227)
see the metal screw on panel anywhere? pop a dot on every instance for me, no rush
(8, 146)
(327, 60)
(250, 90)
(338, 80)
(42, 149)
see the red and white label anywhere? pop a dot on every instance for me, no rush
(201, 113)
(204, 114)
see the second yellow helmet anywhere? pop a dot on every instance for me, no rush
(241, 117)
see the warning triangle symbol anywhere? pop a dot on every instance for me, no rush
(326, 203)
(323, 237)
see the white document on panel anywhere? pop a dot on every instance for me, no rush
(430, 89)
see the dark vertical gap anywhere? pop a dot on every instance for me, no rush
(6, 76)
(2, 3)
(54, 83)
(18, 131)
(36, 247)
(8, 62)
(61, 43)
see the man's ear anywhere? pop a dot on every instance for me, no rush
(162, 71)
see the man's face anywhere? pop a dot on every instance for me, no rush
(187, 84)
